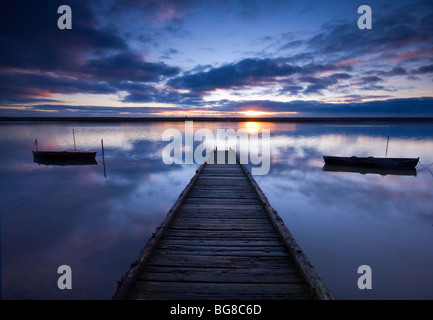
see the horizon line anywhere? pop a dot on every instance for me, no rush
(217, 119)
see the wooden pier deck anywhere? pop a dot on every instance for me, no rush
(221, 240)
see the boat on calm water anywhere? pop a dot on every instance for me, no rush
(63, 157)
(372, 162)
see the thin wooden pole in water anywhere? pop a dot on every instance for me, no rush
(103, 157)
(36, 143)
(386, 152)
(73, 134)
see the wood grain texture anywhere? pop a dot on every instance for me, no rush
(222, 240)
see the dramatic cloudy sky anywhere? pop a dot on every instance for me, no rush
(216, 57)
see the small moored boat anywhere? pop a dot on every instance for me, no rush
(372, 162)
(63, 157)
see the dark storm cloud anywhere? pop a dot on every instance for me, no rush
(20, 85)
(322, 83)
(396, 71)
(38, 59)
(127, 77)
(128, 66)
(11, 100)
(424, 69)
(369, 80)
(396, 29)
(254, 72)
(152, 94)
(30, 37)
(247, 72)
(401, 37)
(261, 72)
(292, 89)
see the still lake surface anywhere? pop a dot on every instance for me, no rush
(96, 222)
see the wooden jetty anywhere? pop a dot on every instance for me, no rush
(222, 240)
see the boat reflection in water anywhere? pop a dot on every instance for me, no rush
(63, 158)
(364, 165)
(64, 161)
(385, 163)
(372, 170)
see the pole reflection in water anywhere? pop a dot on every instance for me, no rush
(55, 215)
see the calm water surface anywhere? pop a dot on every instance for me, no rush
(96, 221)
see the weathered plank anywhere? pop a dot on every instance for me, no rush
(224, 261)
(225, 201)
(221, 240)
(222, 194)
(235, 242)
(220, 291)
(224, 275)
(221, 206)
(228, 234)
(199, 219)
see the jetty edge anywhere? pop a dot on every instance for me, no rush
(310, 287)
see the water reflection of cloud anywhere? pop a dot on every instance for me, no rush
(353, 145)
(344, 220)
(76, 216)
(84, 219)
(375, 195)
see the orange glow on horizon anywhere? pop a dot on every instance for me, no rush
(254, 113)
(214, 113)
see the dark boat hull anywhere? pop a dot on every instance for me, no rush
(371, 162)
(371, 170)
(65, 162)
(63, 155)
(64, 158)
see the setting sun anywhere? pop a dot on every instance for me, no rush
(252, 113)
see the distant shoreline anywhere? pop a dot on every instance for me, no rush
(222, 119)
